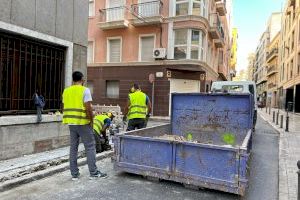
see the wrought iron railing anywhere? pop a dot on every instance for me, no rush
(25, 67)
(112, 14)
(273, 52)
(271, 85)
(271, 69)
(216, 23)
(147, 9)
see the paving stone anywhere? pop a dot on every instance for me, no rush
(289, 154)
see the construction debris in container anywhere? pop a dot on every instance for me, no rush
(171, 137)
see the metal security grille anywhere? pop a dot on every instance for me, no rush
(26, 66)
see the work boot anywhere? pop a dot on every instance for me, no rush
(106, 147)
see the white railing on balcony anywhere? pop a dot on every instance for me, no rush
(112, 14)
(147, 9)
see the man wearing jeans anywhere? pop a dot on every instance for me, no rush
(138, 109)
(78, 115)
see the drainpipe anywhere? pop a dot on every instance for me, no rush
(294, 98)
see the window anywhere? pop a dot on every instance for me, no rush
(233, 88)
(146, 48)
(291, 70)
(180, 45)
(91, 8)
(115, 11)
(112, 89)
(191, 7)
(221, 57)
(90, 52)
(292, 40)
(189, 44)
(182, 7)
(114, 50)
(251, 89)
(36, 66)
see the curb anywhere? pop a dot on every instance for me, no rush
(48, 172)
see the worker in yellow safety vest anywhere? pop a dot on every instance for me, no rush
(101, 123)
(78, 114)
(138, 109)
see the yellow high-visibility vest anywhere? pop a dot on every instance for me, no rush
(98, 123)
(138, 107)
(74, 110)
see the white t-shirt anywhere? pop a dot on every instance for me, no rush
(87, 96)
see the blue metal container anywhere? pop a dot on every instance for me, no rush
(207, 161)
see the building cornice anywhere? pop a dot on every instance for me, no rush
(172, 63)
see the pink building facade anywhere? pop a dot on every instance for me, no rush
(184, 44)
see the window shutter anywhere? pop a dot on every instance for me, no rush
(147, 45)
(90, 52)
(114, 54)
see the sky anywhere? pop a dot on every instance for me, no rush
(250, 17)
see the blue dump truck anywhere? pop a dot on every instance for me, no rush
(207, 144)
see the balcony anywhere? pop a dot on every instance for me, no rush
(147, 13)
(112, 18)
(216, 30)
(222, 72)
(271, 70)
(221, 7)
(272, 54)
(292, 3)
(219, 43)
(272, 85)
(261, 80)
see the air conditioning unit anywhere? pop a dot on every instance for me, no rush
(159, 53)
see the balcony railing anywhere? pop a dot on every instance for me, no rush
(271, 85)
(271, 70)
(112, 14)
(273, 53)
(221, 7)
(147, 9)
(216, 29)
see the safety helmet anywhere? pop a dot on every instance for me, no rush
(110, 115)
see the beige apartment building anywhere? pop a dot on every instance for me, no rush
(289, 56)
(272, 72)
(261, 65)
(183, 44)
(250, 67)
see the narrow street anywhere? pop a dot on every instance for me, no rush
(263, 180)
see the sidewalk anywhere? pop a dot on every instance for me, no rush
(17, 171)
(289, 152)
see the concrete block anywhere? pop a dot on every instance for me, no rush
(79, 58)
(81, 21)
(16, 134)
(43, 145)
(45, 16)
(12, 151)
(18, 140)
(23, 13)
(5, 10)
(63, 130)
(64, 19)
(61, 141)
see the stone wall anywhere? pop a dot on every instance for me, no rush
(64, 19)
(20, 135)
